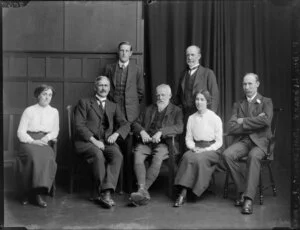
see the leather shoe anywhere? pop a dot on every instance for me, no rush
(247, 207)
(141, 197)
(179, 201)
(40, 202)
(240, 201)
(24, 200)
(105, 200)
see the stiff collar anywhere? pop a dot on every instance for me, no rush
(123, 64)
(251, 99)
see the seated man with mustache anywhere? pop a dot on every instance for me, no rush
(98, 124)
(159, 120)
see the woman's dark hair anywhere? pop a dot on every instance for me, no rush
(38, 90)
(206, 94)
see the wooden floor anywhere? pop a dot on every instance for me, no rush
(211, 211)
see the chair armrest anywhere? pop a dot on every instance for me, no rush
(271, 146)
(170, 140)
(53, 145)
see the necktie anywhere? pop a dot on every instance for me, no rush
(102, 103)
(122, 66)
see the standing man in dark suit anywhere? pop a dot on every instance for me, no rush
(96, 119)
(127, 82)
(158, 121)
(193, 79)
(250, 123)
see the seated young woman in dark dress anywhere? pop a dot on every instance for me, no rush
(204, 137)
(36, 165)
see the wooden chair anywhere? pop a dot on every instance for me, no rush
(10, 154)
(265, 163)
(78, 167)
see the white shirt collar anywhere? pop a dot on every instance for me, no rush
(194, 66)
(250, 99)
(125, 63)
(100, 98)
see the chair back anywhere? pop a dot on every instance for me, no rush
(272, 141)
(71, 129)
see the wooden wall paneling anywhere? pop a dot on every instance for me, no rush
(106, 59)
(73, 91)
(99, 26)
(92, 67)
(18, 66)
(140, 27)
(38, 26)
(5, 66)
(36, 66)
(73, 67)
(54, 67)
(14, 95)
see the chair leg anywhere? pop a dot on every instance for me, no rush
(225, 194)
(272, 180)
(71, 183)
(260, 186)
(171, 177)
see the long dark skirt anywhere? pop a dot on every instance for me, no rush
(35, 165)
(196, 169)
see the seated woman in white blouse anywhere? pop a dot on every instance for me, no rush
(203, 139)
(36, 164)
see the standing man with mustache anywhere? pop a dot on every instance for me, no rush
(158, 121)
(98, 124)
(193, 79)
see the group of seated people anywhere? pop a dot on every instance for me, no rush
(105, 119)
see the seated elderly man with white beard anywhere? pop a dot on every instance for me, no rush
(158, 121)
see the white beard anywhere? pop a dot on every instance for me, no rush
(161, 106)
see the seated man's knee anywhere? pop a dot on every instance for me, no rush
(228, 154)
(158, 159)
(118, 154)
(255, 155)
(98, 155)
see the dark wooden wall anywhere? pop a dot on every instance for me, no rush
(64, 44)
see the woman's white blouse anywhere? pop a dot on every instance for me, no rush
(36, 118)
(205, 127)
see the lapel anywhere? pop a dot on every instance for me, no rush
(152, 112)
(198, 77)
(254, 105)
(96, 107)
(168, 111)
(244, 106)
(186, 72)
(114, 77)
(108, 109)
(131, 70)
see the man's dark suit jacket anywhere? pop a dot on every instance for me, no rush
(204, 79)
(134, 91)
(257, 127)
(172, 121)
(88, 122)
